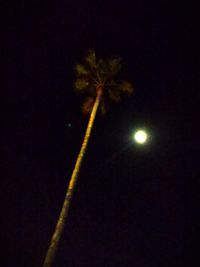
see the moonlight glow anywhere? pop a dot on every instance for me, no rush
(140, 136)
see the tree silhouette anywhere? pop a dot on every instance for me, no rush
(95, 78)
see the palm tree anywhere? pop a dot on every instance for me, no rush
(96, 79)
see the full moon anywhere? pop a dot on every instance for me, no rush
(140, 136)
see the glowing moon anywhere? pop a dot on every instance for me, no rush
(140, 136)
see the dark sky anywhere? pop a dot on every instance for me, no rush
(131, 203)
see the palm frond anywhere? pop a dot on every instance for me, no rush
(87, 105)
(102, 69)
(81, 85)
(91, 59)
(103, 107)
(81, 70)
(114, 65)
(126, 87)
(114, 95)
(113, 91)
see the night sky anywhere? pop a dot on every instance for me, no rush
(131, 205)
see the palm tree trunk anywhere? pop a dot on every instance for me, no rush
(64, 211)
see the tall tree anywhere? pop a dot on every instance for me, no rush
(95, 78)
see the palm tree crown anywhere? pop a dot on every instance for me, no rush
(96, 75)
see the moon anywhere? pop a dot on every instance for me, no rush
(140, 136)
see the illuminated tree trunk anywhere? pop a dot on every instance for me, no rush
(72, 184)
